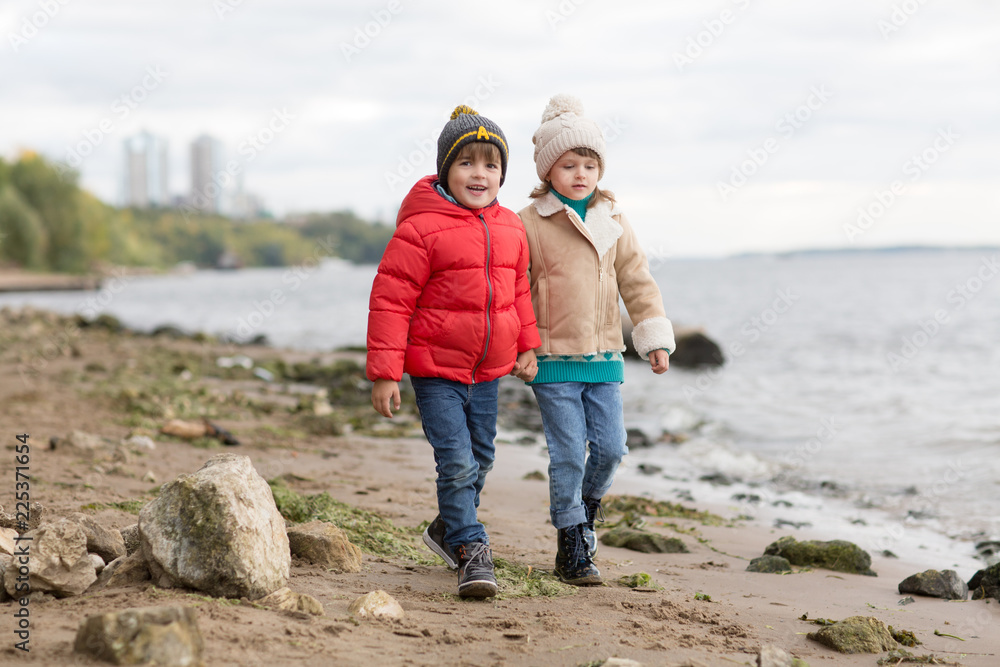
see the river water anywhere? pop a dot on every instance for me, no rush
(861, 393)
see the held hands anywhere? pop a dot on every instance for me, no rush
(526, 367)
(385, 397)
(659, 361)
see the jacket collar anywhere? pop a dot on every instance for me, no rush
(601, 229)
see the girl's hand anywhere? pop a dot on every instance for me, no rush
(385, 397)
(659, 361)
(526, 366)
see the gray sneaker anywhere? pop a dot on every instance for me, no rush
(434, 539)
(475, 571)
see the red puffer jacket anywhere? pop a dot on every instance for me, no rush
(451, 298)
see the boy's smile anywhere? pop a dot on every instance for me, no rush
(574, 176)
(474, 182)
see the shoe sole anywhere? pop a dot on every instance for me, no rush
(589, 580)
(477, 589)
(441, 553)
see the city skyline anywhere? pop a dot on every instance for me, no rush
(147, 168)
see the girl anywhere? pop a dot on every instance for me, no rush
(584, 255)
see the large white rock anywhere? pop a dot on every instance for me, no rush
(58, 562)
(218, 531)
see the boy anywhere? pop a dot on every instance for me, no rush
(450, 305)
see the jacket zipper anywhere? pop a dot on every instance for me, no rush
(489, 300)
(600, 305)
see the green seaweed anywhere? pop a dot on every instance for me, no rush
(636, 505)
(638, 580)
(133, 506)
(372, 533)
(899, 656)
(517, 581)
(904, 637)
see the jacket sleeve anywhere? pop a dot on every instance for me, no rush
(402, 274)
(652, 330)
(528, 338)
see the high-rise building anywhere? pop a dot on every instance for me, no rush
(146, 171)
(206, 165)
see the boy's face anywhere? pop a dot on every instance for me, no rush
(574, 176)
(474, 181)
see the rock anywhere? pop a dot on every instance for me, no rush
(184, 429)
(218, 531)
(838, 555)
(5, 562)
(770, 564)
(649, 469)
(323, 543)
(59, 562)
(98, 563)
(287, 600)
(696, 350)
(944, 584)
(140, 443)
(636, 438)
(7, 545)
(643, 541)
(620, 662)
(773, 656)
(130, 536)
(105, 542)
(518, 408)
(986, 583)
(718, 479)
(78, 442)
(989, 551)
(35, 513)
(857, 634)
(126, 571)
(164, 636)
(377, 604)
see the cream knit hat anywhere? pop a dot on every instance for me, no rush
(564, 128)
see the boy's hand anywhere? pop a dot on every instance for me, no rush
(526, 367)
(659, 361)
(385, 397)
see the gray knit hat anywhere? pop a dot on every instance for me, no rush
(466, 126)
(564, 128)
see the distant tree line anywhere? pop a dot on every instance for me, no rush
(48, 223)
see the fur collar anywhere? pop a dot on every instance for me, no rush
(601, 229)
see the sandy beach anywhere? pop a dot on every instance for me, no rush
(702, 607)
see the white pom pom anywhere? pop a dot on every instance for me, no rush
(560, 104)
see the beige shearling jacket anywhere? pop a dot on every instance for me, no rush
(578, 270)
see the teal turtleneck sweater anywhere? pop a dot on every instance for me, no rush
(578, 205)
(603, 367)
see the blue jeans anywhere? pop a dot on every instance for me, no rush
(460, 421)
(575, 415)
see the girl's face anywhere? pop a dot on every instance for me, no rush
(574, 176)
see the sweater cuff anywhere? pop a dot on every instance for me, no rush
(655, 333)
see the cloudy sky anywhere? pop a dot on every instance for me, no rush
(733, 126)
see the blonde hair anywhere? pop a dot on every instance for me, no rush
(545, 187)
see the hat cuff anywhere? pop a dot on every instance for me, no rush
(565, 141)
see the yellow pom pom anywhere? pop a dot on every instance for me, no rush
(460, 109)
